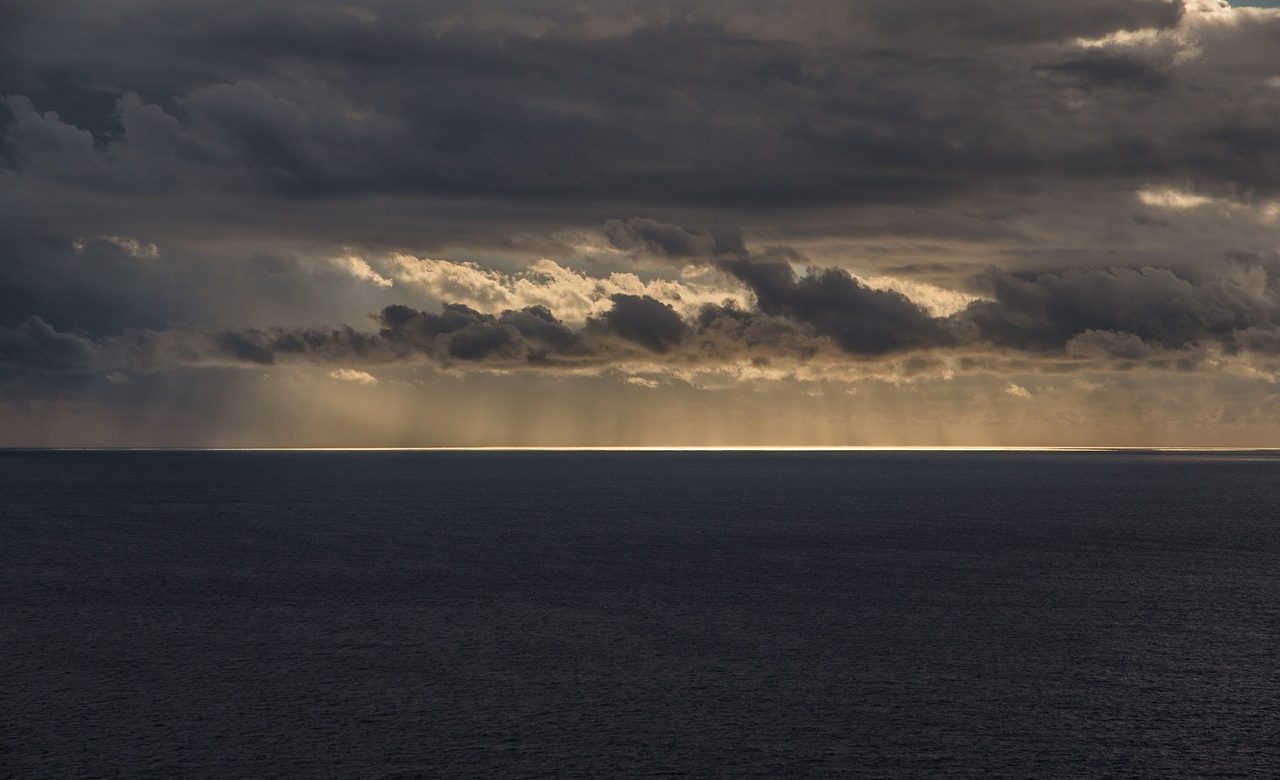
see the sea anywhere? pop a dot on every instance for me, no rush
(853, 614)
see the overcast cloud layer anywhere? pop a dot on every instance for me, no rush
(907, 222)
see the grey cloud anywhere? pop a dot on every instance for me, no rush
(1155, 305)
(1109, 344)
(644, 235)
(41, 141)
(1014, 21)
(461, 333)
(458, 334)
(1105, 69)
(461, 124)
(303, 103)
(539, 325)
(36, 345)
(244, 347)
(727, 333)
(87, 283)
(645, 321)
(861, 320)
(660, 238)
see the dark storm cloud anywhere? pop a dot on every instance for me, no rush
(645, 235)
(174, 120)
(1120, 312)
(730, 104)
(36, 345)
(645, 321)
(1041, 313)
(461, 333)
(1101, 69)
(861, 320)
(726, 333)
(659, 238)
(341, 123)
(1152, 304)
(1000, 21)
(635, 326)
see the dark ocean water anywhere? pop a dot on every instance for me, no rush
(373, 615)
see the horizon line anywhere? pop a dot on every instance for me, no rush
(656, 449)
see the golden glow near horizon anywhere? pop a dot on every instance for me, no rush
(306, 411)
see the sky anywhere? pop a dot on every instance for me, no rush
(277, 223)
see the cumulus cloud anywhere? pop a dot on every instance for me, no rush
(1017, 391)
(573, 295)
(650, 236)
(1170, 198)
(359, 268)
(353, 375)
(1153, 304)
(37, 345)
(645, 321)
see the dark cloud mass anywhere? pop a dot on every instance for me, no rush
(1113, 313)
(714, 104)
(906, 189)
(645, 321)
(861, 320)
(1152, 304)
(36, 345)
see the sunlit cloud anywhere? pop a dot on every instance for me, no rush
(132, 246)
(938, 301)
(1017, 391)
(1169, 198)
(353, 375)
(572, 295)
(359, 268)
